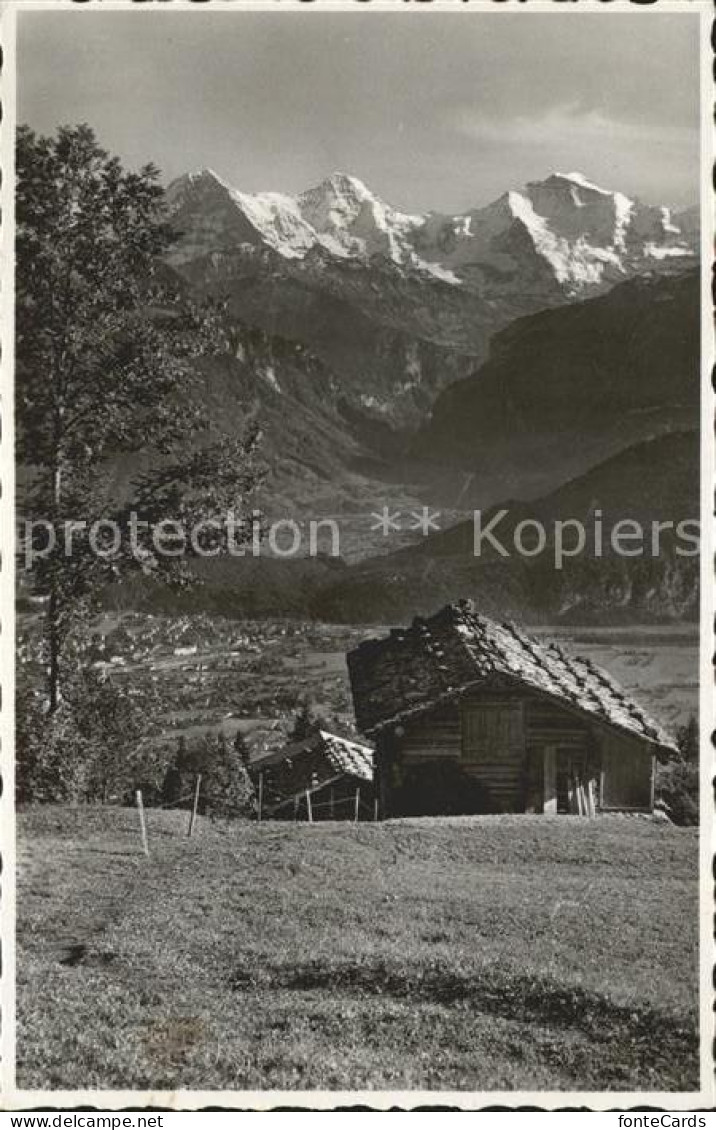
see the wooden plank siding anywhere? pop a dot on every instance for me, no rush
(560, 736)
(549, 723)
(493, 748)
(435, 738)
(485, 737)
(627, 772)
(503, 740)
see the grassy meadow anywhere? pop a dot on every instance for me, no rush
(488, 953)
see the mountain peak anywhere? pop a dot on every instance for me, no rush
(199, 179)
(339, 186)
(346, 180)
(588, 237)
(582, 181)
(204, 175)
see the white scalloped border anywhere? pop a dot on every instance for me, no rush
(10, 1099)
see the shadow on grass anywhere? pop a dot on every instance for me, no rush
(529, 1000)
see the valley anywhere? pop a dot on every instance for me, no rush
(204, 674)
(443, 360)
(538, 356)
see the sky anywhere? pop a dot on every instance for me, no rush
(441, 111)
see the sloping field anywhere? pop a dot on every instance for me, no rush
(476, 953)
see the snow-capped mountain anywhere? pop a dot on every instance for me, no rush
(586, 236)
(577, 235)
(398, 306)
(340, 216)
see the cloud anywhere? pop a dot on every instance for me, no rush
(561, 126)
(656, 162)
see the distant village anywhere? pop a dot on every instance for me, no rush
(454, 714)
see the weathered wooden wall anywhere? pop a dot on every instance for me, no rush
(626, 772)
(559, 739)
(435, 736)
(493, 748)
(483, 737)
(503, 741)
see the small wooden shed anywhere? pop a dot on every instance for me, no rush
(322, 777)
(468, 715)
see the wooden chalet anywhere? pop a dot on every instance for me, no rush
(468, 715)
(323, 777)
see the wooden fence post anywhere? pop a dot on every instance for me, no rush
(308, 807)
(550, 784)
(357, 805)
(261, 795)
(585, 802)
(375, 808)
(195, 806)
(142, 821)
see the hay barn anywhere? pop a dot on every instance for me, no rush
(468, 715)
(323, 777)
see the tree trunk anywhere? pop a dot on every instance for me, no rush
(53, 641)
(53, 606)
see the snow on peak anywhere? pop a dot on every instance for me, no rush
(198, 180)
(674, 251)
(575, 264)
(205, 173)
(623, 210)
(332, 209)
(581, 230)
(579, 179)
(278, 219)
(346, 183)
(341, 216)
(667, 223)
(581, 248)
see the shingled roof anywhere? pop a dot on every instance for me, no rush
(309, 764)
(437, 659)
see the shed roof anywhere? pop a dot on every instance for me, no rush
(311, 763)
(435, 660)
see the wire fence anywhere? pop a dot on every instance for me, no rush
(306, 806)
(193, 796)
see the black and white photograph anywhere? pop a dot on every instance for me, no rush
(357, 594)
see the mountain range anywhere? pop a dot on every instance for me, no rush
(399, 306)
(388, 353)
(577, 234)
(540, 353)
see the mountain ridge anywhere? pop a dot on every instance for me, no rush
(607, 372)
(397, 305)
(652, 481)
(584, 233)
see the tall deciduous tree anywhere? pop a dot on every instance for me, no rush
(105, 350)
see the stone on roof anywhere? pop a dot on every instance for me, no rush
(318, 759)
(457, 649)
